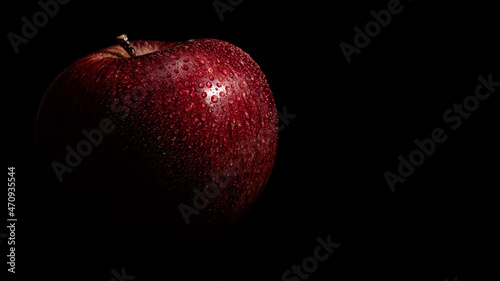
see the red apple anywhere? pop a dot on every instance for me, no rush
(175, 140)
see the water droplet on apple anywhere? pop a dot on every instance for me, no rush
(188, 107)
(224, 72)
(214, 99)
(204, 94)
(209, 84)
(185, 67)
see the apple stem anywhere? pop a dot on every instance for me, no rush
(123, 41)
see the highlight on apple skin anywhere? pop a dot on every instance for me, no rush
(172, 140)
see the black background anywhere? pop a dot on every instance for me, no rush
(352, 121)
